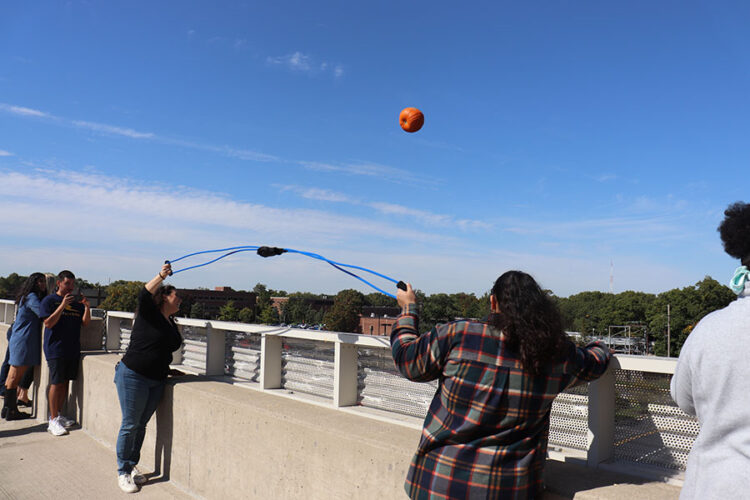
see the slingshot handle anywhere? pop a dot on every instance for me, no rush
(401, 285)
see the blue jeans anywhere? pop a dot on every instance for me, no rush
(139, 396)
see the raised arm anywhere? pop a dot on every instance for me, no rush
(418, 358)
(153, 285)
(51, 320)
(86, 319)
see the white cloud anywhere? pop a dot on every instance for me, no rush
(110, 129)
(606, 177)
(296, 61)
(20, 110)
(312, 193)
(420, 216)
(370, 169)
(245, 154)
(303, 63)
(123, 229)
(101, 128)
(429, 218)
(5, 153)
(624, 229)
(147, 213)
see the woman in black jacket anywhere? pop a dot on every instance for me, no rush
(141, 375)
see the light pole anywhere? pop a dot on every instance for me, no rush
(669, 333)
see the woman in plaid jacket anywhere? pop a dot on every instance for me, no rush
(485, 434)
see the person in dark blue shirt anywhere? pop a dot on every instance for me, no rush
(63, 317)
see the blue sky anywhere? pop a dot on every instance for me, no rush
(559, 137)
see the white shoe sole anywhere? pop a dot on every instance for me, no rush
(57, 433)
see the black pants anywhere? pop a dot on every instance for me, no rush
(26, 380)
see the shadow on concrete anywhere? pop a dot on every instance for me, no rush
(73, 406)
(164, 429)
(566, 479)
(24, 431)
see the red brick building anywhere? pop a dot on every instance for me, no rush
(377, 320)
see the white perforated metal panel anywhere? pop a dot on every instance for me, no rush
(569, 420)
(649, 427)
(194, 348)
(242, 355)
(307, 366)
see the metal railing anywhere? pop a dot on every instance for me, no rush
(7, 311)
(625, 417)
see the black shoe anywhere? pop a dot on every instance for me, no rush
(26, 404)
(4, 412)
(14, 414)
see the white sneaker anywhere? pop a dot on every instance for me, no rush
(138, 478)
(126, 484)
(66, 422)
(55, 428)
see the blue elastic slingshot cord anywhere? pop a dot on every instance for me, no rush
(248, 248)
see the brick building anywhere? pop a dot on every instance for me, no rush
(377, 320)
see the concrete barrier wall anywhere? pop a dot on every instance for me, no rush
(218, 440)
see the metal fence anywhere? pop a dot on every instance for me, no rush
(627, 416)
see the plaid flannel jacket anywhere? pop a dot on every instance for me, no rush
(485, 434)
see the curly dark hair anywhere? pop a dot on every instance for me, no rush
(529, 320)
(735, 231)
(36, 283)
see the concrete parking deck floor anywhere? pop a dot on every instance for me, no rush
(36, 465)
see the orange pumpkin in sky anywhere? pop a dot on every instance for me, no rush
(411, 119)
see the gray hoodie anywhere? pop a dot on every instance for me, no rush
(712, 382)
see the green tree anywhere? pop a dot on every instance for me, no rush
(299, 307)
(466, 305)
(198, 311)
(11, 285)
(122, 296)
(379, 300)
(687, 307)
(246, 315)
(439, 308)
(344, 315)
(262, 296)
(82, 283)
(269, 315)
(228, 312)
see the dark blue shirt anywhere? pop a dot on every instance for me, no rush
(64, 339)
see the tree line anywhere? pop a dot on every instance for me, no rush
(590, 313)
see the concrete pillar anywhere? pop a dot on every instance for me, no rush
(270, 362)
(215, 351)
(345, 375)
(41, 400)
(601, 432)
(177, 355)
(112, 333)
(91, 335)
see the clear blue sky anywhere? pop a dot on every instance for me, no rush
(559, 137)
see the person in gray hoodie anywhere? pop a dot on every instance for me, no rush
(711, 380)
